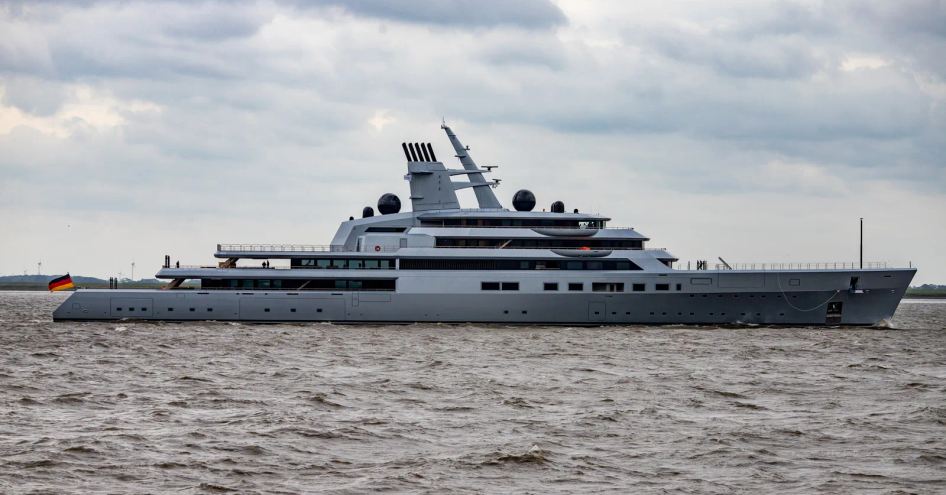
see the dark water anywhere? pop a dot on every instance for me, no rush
(218, 407)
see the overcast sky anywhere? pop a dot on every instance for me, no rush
(756, 131)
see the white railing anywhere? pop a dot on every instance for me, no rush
(278, 248)
(830, 265)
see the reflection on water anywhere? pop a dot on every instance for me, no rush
(218, 407)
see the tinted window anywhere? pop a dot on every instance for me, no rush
(510, 285)
(550, 286)
(638, 287)
(489, 286)
(662, 287)
(576, 286)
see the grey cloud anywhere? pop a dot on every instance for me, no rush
(33, 95)
(456, 13)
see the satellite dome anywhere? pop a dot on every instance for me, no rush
(523, 200)
(367, 212)
(558, 207)
(389, 203)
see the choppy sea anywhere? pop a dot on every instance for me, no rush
(211, 407)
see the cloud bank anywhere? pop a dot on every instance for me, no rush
(759, 131)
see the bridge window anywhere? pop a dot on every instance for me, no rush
(512, 264)
(342, 264)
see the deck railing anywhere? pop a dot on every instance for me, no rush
(279, 248)
(830, 265)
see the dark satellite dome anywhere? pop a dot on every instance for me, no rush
(367, 212)
(523, 200)
(558, 207)
(389, 203)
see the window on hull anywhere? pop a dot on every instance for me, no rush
(300, 284)
(500, 264)
(499, 285)
(607, 287)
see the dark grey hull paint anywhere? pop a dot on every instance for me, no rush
(728, 298)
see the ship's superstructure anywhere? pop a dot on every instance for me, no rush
(442, 263)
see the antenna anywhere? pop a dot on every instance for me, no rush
(862, 242)
(39, 268)
(132, 270)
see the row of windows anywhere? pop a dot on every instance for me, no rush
(580, 286)
(463, 264)
(343, 264)
(541, 243)
(500, 264)
(299, 284)
(514, 222)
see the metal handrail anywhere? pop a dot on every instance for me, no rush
(829, 265)
(602, 248)
(530, 227)
(281, 248)
(306, 248)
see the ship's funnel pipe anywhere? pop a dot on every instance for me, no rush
(423, 150)
(406, 154)
(430, 148)
(413, 152)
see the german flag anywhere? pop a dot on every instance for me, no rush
(62, 283)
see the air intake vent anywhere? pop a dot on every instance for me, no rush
(419, 152)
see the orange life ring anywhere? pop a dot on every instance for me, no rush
(377, 248)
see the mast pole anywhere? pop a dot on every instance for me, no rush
(862, 243)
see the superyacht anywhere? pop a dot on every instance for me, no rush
(443, 263)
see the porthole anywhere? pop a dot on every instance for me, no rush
(505, 311)
(525, 312)
(210, 310)
(319, 310)
(292, 310)
(266, 310)
(193, 309)
(171, 310)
